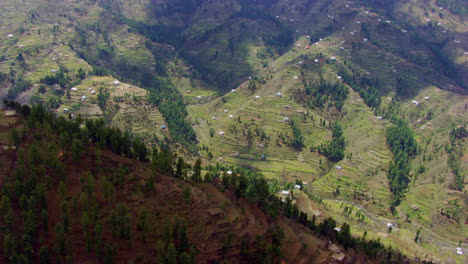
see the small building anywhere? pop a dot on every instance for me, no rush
(221, 133)
(233, 90)
(263, 157)
(90, 88)
(333, 58)
(229, 172)
(296, 77)
(116, 82)
(459, 251)
(93, 92)
(307, 47)
(279, 94)
(225, 110)
(297, 187)
(316, 61)
(11, 113)
(426, 98)
(52, 70)
(365, 40)
(257, 97)
(83, 98)
(231, 116)
(339, 77)
(215, 211)
(10, 35)
(198, 97)
(379, 118)
(286, 119)
(74, 89)
(163, 127)
(415, 102)
(213, 118)
(285, 192)
(338, 167)
(337, 229)
(66, 110)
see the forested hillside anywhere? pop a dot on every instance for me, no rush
(351, 110)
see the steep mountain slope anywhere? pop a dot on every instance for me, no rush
(367, 65)
(66, 199)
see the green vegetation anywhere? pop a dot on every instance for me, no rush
(20, 85)
(316, 95)
(334, 150)
(459, 7)
(455, 151)
(401, 140)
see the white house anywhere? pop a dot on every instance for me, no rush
(279, 94)
(116, 82)
(74, 89)
(338, 167)
(415, 102)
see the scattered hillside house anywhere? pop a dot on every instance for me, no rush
(341, 48)
(229, 172)
(390, 225)
(279, 94)
(66, 110)
(74, 89)
(316, 61)
(163, 127)
(116, 82)
(296, 77)
(225, 110)
(415, 102)
(10, 35)
(459, 251)
(305, 184)
(297, 187)
(286, 119)
(215, 211)
(337, 229)
(198, 97)
(379, 118)
(307, 47)
(213, 118)
(233, 90)
(53, 70)
(339, 77)
(83, 98)
(90, 88)
(11, 113)
(221, 133)
(21, 45)
(352, 33)
(387, 21)
(93, 92)
(333, 58)
(338, 167)
(263, 157)
(285, 192)
(404, 31)
(426, 98)
(231, 116)
(257, 97)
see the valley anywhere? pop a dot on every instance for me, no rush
(302, 92)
